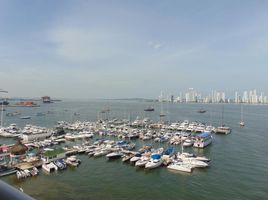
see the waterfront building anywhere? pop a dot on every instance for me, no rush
(191, 96)
(52, 155)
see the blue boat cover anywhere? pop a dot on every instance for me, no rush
(155, 156)
(204, 134)
(169, 150)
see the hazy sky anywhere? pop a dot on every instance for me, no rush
(114, 49)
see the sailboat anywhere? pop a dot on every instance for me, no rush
(223, 129)
(162, 114)
(242, 123)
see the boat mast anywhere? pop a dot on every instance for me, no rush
(222, 114)
(242, 113)
(2, 109)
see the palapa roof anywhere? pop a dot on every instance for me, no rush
(18, 148)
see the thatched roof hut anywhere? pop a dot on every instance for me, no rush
(18, 148)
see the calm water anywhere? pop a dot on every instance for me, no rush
(239, 167)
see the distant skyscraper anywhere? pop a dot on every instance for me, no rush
(236, 97)
(191, 96)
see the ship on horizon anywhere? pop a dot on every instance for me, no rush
(150, 109)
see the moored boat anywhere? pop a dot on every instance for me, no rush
(155, 161)
(73, 161)
(4, 170)
(49, 167)
(116, 154)
(223, 130)
(202, 140)
(178, 166)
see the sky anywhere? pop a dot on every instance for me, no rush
(124, 48)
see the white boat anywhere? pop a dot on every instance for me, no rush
(178, 166)
(73, 161)
(49, 167)
(25, 117)
(185, 155)
(127, 157)
(101, 152)
(242, 123)
(183, 125)
(135, 158)
(69, 136)
(27, 172)
(143, 161)
(194, 162)
(116, 154)
(202, 158)
(155, 161)
(202, 140)
(34, 171)
(188, 143)
(223, 129)
(19, 175)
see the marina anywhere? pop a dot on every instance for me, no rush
(137, 148)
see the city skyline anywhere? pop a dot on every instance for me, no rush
(120, 49)
(194, 96)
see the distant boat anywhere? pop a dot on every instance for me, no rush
(25, 117)
(242, 123)
(150, 108)
(201, 111)
(5, 103)
(222, 128)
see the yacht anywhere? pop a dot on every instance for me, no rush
(188, 142)
(143, 160)
(135, 158)
(223, 130)
(203, 139)
(116, 154)
(183, 125)
(126, 157)
(179, 166)
(155, 161)
(73, 161)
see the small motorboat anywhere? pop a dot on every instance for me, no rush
(135, 158)
(155, 161)
(150, 109)
(25, 117)
(143, 161)
(188, 143)
(201, 111)
(116, 154)
(127, 157)
(73, 161)
(178, 166)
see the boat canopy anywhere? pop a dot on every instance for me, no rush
(169, 151)
(156, 156)
(204, 134)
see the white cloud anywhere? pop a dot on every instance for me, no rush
(85, 45)
(155, 45)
